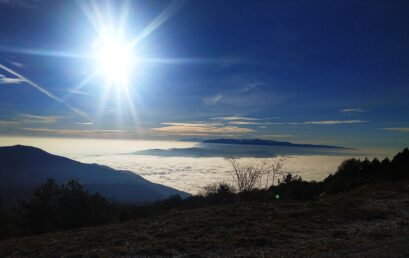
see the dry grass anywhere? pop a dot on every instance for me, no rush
(372, 221)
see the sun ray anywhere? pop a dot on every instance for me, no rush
(131, 105)
(43, 52)
(170, 10)
(82, 84)
(93, 14)
(118, 110)
(123, 18)
(102, 103)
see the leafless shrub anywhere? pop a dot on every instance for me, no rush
(247, 175)
(275, 168)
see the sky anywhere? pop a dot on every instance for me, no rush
(325, 72)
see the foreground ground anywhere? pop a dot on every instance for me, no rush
(371, 221)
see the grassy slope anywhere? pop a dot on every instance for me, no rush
(371, 221)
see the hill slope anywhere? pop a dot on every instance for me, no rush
(23, 168)
(370, 221)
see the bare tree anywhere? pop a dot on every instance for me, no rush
(275, 168)
(248, 174)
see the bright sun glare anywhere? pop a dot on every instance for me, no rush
(115, 60)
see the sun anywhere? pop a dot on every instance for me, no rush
(115, 60)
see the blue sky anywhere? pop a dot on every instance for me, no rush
(332, 72)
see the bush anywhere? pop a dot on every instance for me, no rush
(218, 189)
(250, 175)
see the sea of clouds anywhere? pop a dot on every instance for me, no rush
(185, 173)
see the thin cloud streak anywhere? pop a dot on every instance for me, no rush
(17, 64)
(323, 122)
(6, 123)
(335, 122)
(200, 129)
(89, 123)
(78, 92)
(231, 118)
(44, 91)
(80, 133)
(244, 123)
(212, 100)
(7, 80)
(352, 110)
(28, 118)
(269, 136)
(397, 129)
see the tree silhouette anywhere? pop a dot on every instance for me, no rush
(400, 165)
(54, 207)
(5, 222)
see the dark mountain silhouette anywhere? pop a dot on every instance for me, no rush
(24, 167)
(268, 143)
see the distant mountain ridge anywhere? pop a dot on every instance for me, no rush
(246, 148)
(23, 168)
(268, 143)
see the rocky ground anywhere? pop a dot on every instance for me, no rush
(371, 221)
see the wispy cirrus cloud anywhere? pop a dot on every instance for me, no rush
(28, 119)
(8, 80)
(244, 123)
(272, 136)
(226, 95)
(78, 92)
(86, 123)
(200, 129)
(232, 118)
(397, 129)
(17, 64)
(335, 122)
(80, 133)
(250, 86)
(6, 123)
(323, 122)
(352, 110)
(212, 100)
